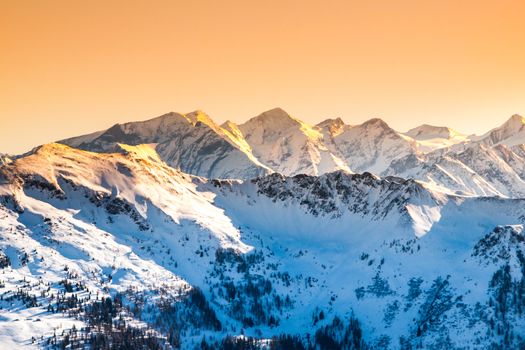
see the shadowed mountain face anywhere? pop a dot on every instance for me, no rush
(274, 141)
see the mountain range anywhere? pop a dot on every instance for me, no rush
(488, 165)
(274, 234)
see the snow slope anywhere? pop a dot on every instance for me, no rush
(116, 222)
(415, 265)
(382, 246)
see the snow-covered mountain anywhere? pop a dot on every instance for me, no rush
(372, 146)
(289, 146)
(120, 247)
(510, 133)
(491, 164)
(93, 225)
(429, 138)
(191, 142)
(482, 166)
(444, 172)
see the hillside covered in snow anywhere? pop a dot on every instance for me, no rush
(118, 246)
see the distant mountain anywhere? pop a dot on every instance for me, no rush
(510, 133)
(445, 173)
(372, 146)
(481, 166)
(111, 248)
(429, 138)
(191, 142)
(274, 141)
(270, 142)
(289, 146)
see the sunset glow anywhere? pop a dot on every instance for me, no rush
(72, 67)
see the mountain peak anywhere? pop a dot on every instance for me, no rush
(333, 126)
(376, 123)
(170, 119)
(49, 148)
(277, 111)
(166, 117)
(516, 121)
(510, 133)
(276, 118)
(199, 116)
(331, 123)
(426, 132)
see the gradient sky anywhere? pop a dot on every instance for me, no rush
(72, 67)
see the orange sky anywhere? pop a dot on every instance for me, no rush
(71, 67)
